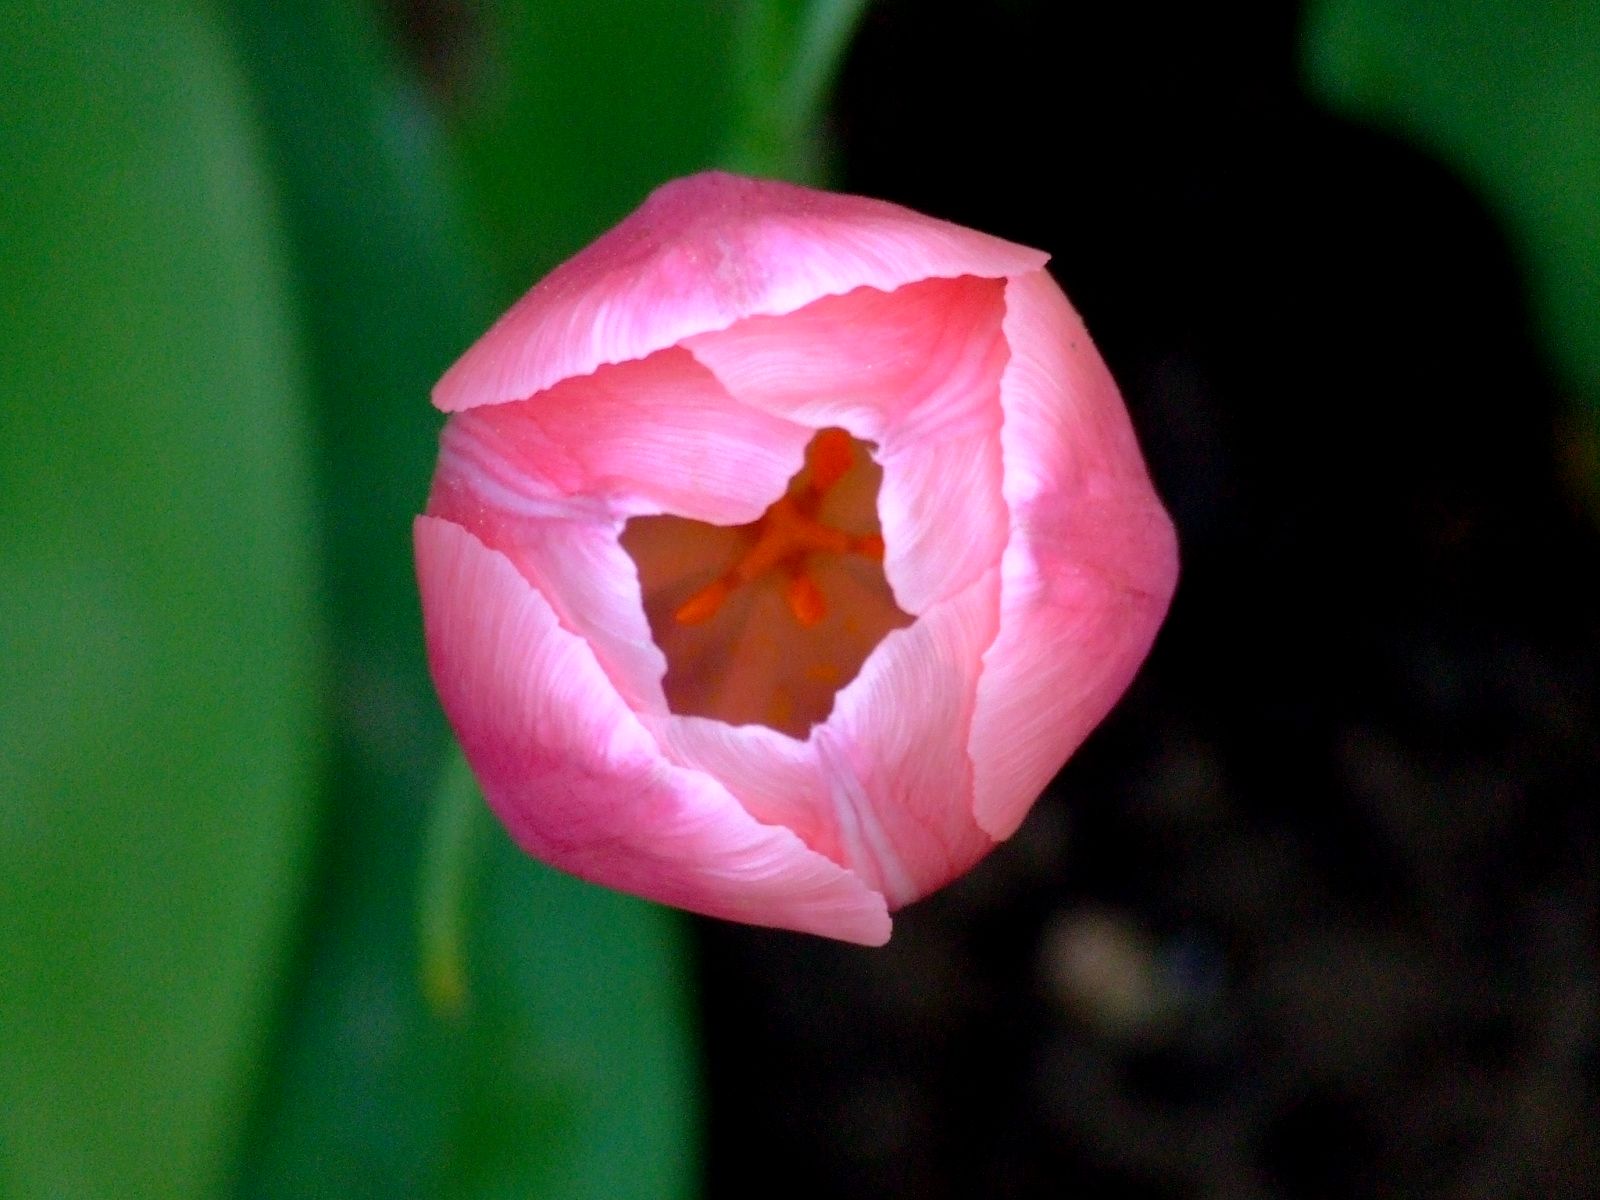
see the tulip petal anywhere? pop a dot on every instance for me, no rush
(943, 514)
(588, 581)
(894, 752)
(776, 778)
(909, 363)
(579, 781)
(918, 372)
(1090, 567)
(548, 484)
(656, 435)
(700, 254)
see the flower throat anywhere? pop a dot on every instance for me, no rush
(764, 623)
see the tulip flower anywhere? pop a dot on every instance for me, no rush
(782, 546)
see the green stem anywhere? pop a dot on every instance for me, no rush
(444, 885)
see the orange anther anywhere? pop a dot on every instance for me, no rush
(786, 535)
(829, 456)
(869, 545)
(805, 600)
(704, 604)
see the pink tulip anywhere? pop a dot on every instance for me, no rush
(783, 545)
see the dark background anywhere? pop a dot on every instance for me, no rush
(1314, 914)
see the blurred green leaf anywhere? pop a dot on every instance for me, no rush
(159, 665)
(1508, 91)
(580, 108)
(527, 1092)
(789, 52)
(577, 110)
(363, 1098)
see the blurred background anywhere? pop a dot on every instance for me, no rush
(1315, 914)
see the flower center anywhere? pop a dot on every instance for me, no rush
(764, 623)
(788, 535)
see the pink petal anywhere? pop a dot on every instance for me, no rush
(917, 371)
(776, 778)
(698, 255)
(1090, 567)
(894, 751)
(943, 513)
(656, 435)
(588, 581)
(910, 363)
(578, 780)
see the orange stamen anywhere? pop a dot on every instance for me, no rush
(787, 534)
(829, 456)
(868, 546)
(703, 605)
(806, 601)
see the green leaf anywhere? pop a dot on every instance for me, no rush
(363, 1093)
(789, 52)
(580, 109)
(376, 1095)
(1508, 92)
(160, 681)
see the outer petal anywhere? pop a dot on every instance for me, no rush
(698, 255)
(1090, 566)
(577, 779)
